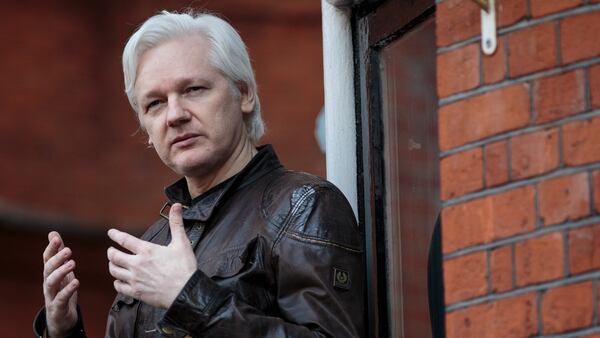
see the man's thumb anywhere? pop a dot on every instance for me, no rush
(178, 234)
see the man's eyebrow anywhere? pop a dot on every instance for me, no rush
(184, 82)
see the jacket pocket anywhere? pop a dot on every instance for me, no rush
(235, 261)
(245, 274)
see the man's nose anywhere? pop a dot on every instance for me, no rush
(177, 113)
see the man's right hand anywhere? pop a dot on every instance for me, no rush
(60, 287)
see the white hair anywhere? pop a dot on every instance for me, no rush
(228, 54)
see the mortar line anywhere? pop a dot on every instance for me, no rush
(517, 132)
(523, 79)
(522, 237)
(587, 89)
(520, 184)
(536, 208)
(524, 290)
(561, 150)
(525, 23)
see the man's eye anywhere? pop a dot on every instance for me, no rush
(193, 89)
(152, 104)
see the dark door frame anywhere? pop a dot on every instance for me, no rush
(375, 24)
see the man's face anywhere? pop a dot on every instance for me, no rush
(192, 114)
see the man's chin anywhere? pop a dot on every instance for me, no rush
(193, 169)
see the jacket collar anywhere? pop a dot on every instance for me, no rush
(202, 207)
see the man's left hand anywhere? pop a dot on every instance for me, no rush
(153, 273)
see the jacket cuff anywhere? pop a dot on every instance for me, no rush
(193, 307)
(39, 325)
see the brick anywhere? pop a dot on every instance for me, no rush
(539, 259)
(466, 224)
(534, 153)
(545, 7)
(456, 20)
(513, 212)
(596, 189)
(559, 96)
(458, 70)
(532, 49)
(490, 218)
(567, 308)
(509, 317)
(501, 269)
(461, 173)
(564, 199)
(484, 115)
(494, 66)
(496, 163)
(584, 249)
(510, 11)
(594, 76)
(579, 37)
(581, 142)
(465, 277)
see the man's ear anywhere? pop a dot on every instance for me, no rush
(247, 98)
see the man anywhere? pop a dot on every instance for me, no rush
(249, 249)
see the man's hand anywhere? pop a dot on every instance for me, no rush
(60, 287)
(154, 274)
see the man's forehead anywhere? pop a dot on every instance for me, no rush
(175, 59)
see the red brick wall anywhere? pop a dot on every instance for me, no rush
(519, 137)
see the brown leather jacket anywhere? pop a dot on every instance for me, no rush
(279, 255)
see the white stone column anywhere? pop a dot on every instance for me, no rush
(340, 124)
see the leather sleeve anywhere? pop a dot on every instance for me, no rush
(317, 260)
(39, 325)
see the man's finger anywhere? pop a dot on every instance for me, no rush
(62, 298)
(56, 261)
(127, 241)
(120, 258)
(53, 234)
(54, 280)
(118, 272)
(54, 245)
(178, 234)
(124, 288)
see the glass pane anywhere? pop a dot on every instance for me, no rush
(409, 104)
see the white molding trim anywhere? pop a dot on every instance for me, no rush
(340, 120)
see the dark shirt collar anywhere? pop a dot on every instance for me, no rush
(203, 206)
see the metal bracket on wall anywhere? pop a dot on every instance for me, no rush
(488, 26)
